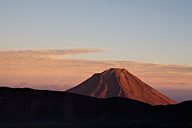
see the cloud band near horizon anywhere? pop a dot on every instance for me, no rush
(43, 69)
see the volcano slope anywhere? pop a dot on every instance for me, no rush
(116, 82)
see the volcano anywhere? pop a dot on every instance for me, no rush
(118, 82)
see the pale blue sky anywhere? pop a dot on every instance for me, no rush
(158, 31)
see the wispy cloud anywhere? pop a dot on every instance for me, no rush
(46, 54)
(35, 69)
(52, 52)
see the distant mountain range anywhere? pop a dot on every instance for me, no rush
(117, 82)
(114, 99)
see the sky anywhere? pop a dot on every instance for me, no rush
(56, 44)
(141, 30)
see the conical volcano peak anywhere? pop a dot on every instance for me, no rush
(118, 82)
(114, 72)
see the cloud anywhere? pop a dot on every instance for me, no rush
(47, 54)
(37, 69)
(54, 52)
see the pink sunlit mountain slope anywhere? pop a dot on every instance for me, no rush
(117, 82)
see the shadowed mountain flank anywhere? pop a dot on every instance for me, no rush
(117, 82)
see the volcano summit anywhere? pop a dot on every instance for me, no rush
(117, 82)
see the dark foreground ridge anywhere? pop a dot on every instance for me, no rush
(28, 108)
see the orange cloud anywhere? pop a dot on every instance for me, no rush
(37, 69)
